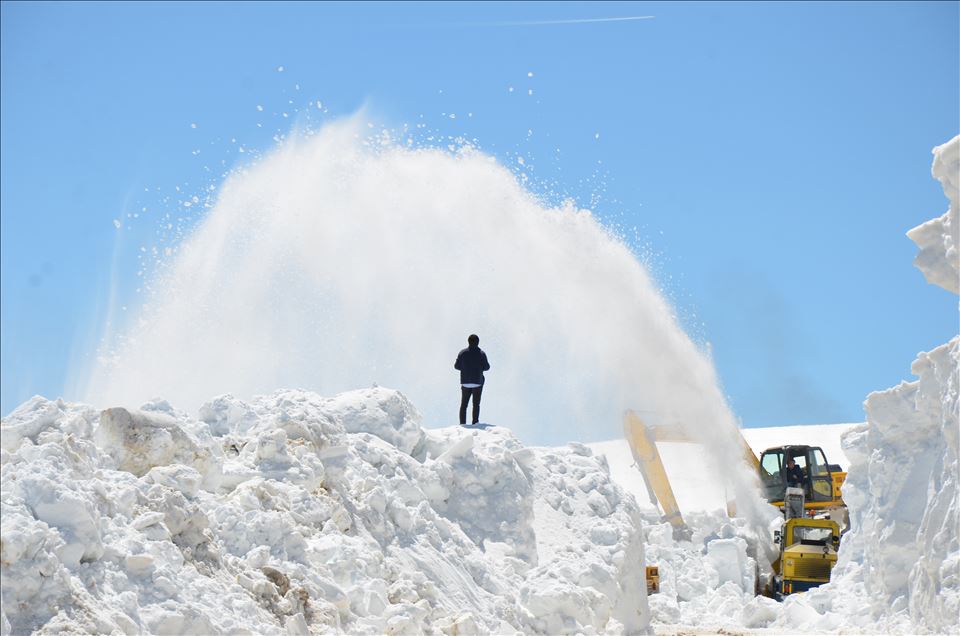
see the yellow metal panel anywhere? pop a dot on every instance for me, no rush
(653, 579)
(838, 479)
(651, 466)
(822, 488)
(752, 460)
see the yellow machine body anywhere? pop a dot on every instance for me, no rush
(643, 443)
(653, 579)
(808, 552)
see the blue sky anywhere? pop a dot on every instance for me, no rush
(766, 158)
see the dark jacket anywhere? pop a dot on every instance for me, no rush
(471, 363)
(794, 476)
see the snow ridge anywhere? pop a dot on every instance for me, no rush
(296, 514)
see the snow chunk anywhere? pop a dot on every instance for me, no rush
(226, 414)
(729, 558)
(140, 440)
(386, 413)
(39, 419)
(939, 239)
(759, 612)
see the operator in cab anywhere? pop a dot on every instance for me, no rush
(793, 474)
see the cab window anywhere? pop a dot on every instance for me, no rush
(771, 465)
(811, 535)
(822, 484)
(773, 484)
(818, 463)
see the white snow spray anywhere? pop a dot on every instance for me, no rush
(332, 265)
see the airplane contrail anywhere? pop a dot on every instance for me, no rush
(575, 21)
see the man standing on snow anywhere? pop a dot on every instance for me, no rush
(471, 363)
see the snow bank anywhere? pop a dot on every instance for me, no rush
(296, 514)
(901, 561)
(898, 569)
(901, 557)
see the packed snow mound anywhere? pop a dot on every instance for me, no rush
(899, 566)
(295, 514)
(382, 412)
(705, 583)
(902, 554)
(939, 239)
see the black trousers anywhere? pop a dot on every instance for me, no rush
(465, 394)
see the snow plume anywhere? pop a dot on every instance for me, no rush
(296, 514)
(337, 262)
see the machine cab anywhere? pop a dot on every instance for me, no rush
(817, 481)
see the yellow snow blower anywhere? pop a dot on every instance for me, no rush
(808, 549)
(821, 480)
(808, 545)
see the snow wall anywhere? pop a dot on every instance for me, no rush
(899, 566)
(297, 514)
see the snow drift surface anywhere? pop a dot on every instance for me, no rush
(296, 514)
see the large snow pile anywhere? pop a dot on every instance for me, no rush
(902, 556)
(294, 513)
